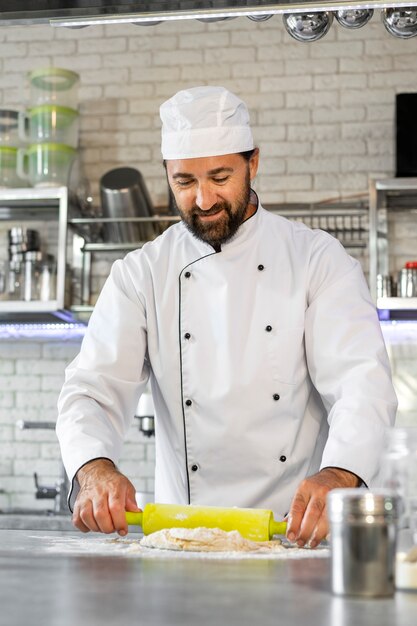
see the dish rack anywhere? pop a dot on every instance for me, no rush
(348, 222)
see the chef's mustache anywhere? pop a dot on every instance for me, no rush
(214, 209)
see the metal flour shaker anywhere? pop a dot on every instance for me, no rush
(363, 535)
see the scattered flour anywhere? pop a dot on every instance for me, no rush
(127, 547)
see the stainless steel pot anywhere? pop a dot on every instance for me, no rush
(124, 195)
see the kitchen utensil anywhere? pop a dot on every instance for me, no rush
(400, 22)
(363, 534)
(49, 123)
(145, 413)
(54, 85)
(260, 18)
(2, 277)
(45, 164)
(26, 238)
(353, 18)
(407, 281)
(384, 286)
(8, 128)
(30, 289)
(307, 26)
(14, 279)
(124, 194)
(254, 524)
(47, 278)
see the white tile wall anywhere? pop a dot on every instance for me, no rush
(323, 117)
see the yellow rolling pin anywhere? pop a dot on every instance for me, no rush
(254, 524)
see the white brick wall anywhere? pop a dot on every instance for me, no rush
(323, 117)
(31, 375)
(333, 98)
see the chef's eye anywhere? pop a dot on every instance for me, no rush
(221, 180)
(184, 183)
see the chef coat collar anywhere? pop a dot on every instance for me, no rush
(248, 226)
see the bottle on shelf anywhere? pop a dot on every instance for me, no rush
(407, 280)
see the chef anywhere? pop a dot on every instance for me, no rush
(268, 370)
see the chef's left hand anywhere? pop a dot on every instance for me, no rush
(307, 518)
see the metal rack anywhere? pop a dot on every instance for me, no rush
(348, 222)
(87, 241)
(22, 206)
(388, 195)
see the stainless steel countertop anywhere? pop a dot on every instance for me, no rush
(44, 588)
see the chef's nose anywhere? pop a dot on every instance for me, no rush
(206, 197)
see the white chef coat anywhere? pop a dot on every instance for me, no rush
(266, 362)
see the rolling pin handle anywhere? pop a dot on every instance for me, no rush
(134, 519)
(277, 528)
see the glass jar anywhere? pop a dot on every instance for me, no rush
(49, 123)
(9, 128)
(8, 168)
(399, 473)
(46, 164)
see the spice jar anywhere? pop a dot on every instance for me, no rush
(363, 534)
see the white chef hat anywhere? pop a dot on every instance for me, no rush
(204, 121)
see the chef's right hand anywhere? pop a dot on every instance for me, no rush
(104, 497)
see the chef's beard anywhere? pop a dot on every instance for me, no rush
(225, 227)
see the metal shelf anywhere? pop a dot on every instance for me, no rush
(397, 304)
(34, 306)
(91, 230)
(346, 221)
(30, 204)
(385, 196)
(112, 247)
(396, 184)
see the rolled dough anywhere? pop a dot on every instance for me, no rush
(206, 540)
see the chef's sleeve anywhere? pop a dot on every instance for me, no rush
(104, 382)
(348, 362)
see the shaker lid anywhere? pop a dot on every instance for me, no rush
(361, 503)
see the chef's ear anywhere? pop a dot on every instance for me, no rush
(254, 163)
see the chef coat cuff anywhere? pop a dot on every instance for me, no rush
(75, 485)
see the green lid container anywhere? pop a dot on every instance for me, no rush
(53, 79)
(64, 115)
(8, 156)
(54, 85)
(56, 149)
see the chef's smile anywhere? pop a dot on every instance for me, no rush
(208, 217)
